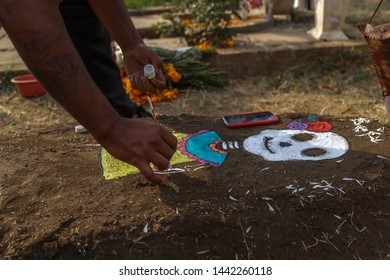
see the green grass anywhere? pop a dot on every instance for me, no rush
(138, 4)
(362, 10)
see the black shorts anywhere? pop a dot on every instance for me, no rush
(93, 43)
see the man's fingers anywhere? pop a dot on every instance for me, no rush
(160, 161)
(159, 81)
(157, 61)
(153, 84)
(134, 77)
(166, 151)
(148, 85)
(158, 84)
(170, 139)
(147, 171)
(140, 84)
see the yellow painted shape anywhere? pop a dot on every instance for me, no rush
(113, 168)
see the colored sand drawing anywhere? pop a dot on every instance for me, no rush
(207, 147)
(199, 147)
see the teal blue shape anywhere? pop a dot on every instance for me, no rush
(198, 146)
(312, 118)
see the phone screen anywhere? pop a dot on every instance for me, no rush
(248, 118)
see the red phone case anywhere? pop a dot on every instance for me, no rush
(251, 123)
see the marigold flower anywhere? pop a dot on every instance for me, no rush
(171, 73)
(204, 46)
(186, 22)
(167, 94)
(229, 43)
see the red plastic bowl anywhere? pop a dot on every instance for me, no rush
(28, 86)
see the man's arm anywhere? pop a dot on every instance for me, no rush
(39, 35)
(115, 17)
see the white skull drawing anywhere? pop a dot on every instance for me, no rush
(284, 145)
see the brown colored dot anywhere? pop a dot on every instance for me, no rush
(303, 137)
(314, 152)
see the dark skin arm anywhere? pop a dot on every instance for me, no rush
(39, 35)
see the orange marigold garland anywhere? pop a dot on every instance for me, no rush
(170, 93)
(171, 74)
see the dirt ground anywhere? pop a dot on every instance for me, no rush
(55, 204)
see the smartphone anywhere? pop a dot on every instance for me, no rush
(249, 119)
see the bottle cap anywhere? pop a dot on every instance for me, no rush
(149, 71)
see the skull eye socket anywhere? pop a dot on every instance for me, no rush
(303, 137)
(314, 152)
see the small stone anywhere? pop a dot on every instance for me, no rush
(80, 129)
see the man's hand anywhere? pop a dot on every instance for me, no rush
(141, 143)
(135, 58)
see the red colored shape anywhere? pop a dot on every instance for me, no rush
(319, 126)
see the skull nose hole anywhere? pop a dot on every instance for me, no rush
(284, 144)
